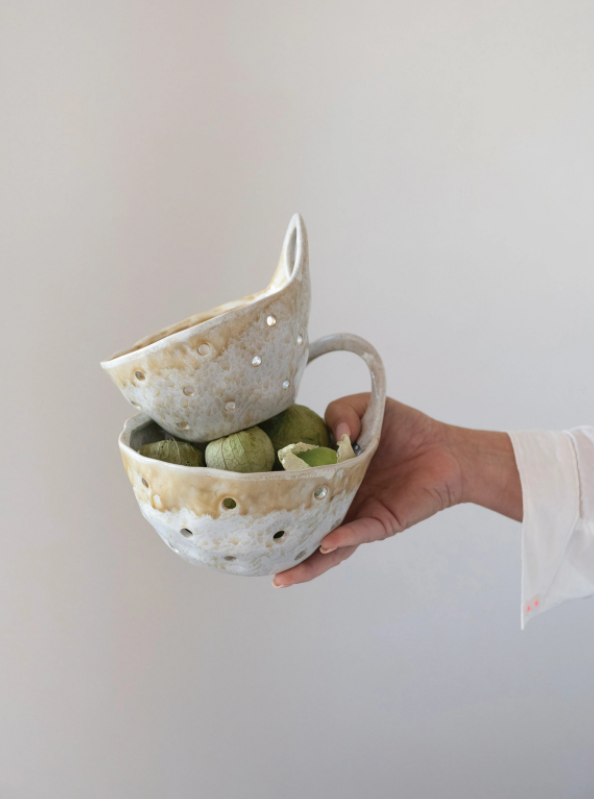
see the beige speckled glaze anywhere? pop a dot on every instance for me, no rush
(185, 504)
(228, 368)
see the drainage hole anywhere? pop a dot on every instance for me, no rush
(301, 554)
(230, 558)
(186, 533)
(280, 534)
(229, 503)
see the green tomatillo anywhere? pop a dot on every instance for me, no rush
(247, 451)
(178, 452)
(297, 424)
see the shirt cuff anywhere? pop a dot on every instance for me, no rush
(547, 463)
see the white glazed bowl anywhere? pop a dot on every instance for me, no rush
(279, 518)
(229, 368)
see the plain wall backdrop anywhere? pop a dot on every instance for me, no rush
(151, 155)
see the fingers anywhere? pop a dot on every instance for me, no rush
(359, 531)
(344, 415)
(336, 547)
(311, 568)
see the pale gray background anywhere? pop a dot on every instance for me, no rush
(152, 154)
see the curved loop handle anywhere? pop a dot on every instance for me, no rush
(371, 423)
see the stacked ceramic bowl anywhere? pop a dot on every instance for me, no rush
(220, 372)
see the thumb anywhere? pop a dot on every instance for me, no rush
(344, 415)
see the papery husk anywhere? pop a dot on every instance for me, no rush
(247, 451)
(298, 424)
(171, 451)
(345, 449)
(289, 458)
(296, 457)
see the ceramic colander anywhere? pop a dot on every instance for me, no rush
(229, 368)
(252, 524)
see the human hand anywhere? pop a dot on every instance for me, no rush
(421, 466)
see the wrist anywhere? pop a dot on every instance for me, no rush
(488, 471)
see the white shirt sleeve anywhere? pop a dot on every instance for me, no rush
(557, 474)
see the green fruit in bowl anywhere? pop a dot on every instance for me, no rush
(296, 424)
(178, 452)
(296, 457)
(320, 456)
(247, 451)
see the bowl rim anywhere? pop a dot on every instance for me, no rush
(140, 419)
(279, 283)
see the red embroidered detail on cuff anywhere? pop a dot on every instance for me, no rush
(533, 604)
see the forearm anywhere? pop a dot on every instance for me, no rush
(488, 470)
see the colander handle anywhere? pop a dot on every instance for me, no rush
(371, 423)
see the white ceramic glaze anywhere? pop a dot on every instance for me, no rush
(186, 505)
(229, 368)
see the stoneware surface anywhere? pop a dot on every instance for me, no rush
(228, 368)
(279, 518)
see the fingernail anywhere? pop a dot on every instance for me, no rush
(326, 551)
(341, 430)
(276, 585)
